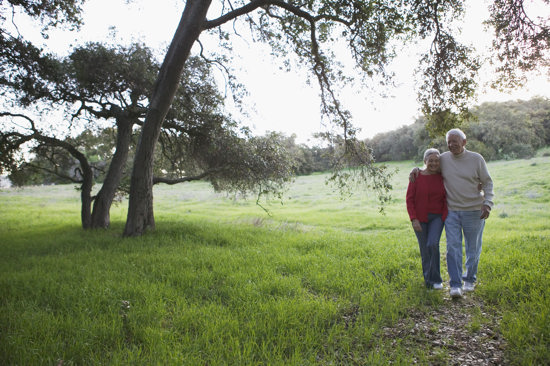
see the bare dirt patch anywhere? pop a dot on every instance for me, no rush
(458, 332)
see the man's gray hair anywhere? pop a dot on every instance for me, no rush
(457, 132)
(430, 152)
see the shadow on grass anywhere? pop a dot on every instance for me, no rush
(56, 239)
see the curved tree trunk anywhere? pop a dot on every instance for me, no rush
(85, 194)
(87, 181)
(104, 198)
(140, 206)
(87, 176)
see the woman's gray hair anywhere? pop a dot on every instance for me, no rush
(430, 152)
(457, 132)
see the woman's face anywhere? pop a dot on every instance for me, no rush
(432, 163)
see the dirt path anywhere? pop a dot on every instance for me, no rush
(462, 328)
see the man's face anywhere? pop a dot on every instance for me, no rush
(456, 144)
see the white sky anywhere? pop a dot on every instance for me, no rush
(282, 101)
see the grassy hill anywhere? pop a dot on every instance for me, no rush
(318, 280)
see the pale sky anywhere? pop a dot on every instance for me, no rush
(282, 101)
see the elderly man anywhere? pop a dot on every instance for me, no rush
(463, 171)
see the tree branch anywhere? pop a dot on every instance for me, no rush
(54, 172)
(251, 6)
(172, 181)
(52, 141)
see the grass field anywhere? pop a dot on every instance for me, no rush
(219, 282)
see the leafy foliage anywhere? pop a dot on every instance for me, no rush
(508, 130)
(355, 169)
(113, 83)
(52, 164)
(448, 70)
(521, 41)
(50, 13)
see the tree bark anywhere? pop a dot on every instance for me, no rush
(104, 198)
(140, 207)
(85, 194)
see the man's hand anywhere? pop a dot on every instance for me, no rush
(412, 176)
(416, 225)
(485, 211)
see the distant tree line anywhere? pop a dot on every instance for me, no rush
(498, 131)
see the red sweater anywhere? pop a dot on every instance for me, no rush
(426, 195)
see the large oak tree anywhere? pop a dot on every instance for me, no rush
(94, 83)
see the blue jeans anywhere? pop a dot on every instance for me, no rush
(428, 242)
(469, 224)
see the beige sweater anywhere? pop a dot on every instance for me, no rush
(461, 175)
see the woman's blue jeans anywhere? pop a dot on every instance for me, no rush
(428, 242)
(469, 224)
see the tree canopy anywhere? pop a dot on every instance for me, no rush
(95, 82)
(50, 13)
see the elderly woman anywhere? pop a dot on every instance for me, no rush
(427, 208)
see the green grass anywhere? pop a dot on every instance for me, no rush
(221, 282)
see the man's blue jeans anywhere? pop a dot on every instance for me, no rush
(469, 224)
(428, 242)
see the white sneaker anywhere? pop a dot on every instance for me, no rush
(437, 286)
(468, 286)
(456, 292)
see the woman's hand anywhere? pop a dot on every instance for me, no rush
(416, 225)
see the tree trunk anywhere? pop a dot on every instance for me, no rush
(85, 194)
(140, 206)
(87, 176)
(104, 198)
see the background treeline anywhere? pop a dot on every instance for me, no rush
(508, 130)
(499, 131)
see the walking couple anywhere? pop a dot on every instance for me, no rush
(447, 193)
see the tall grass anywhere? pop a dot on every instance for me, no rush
(221, 282)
